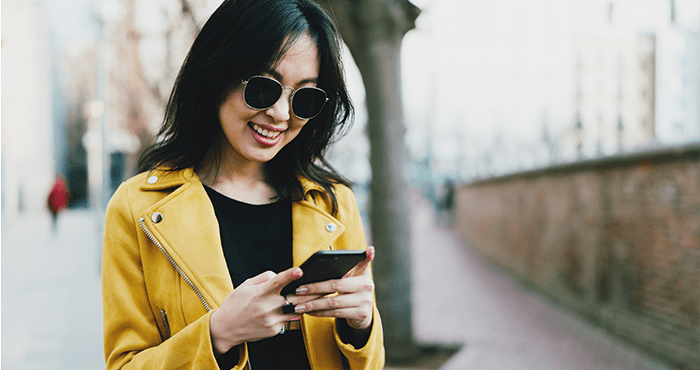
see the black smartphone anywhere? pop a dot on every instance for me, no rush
(326, 265)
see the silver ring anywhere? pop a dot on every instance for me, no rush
(284, 330)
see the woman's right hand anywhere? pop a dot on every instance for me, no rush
(253, 311)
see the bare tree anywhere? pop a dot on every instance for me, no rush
(373, 31)
(140, 97)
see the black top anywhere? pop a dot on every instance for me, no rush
(257, 238)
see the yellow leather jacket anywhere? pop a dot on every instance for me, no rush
(164, 272)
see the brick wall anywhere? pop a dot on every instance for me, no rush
(615, 240)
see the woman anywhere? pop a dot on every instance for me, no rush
(234, 194)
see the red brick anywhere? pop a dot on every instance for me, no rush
(616, 240)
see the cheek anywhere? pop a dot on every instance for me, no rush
(295, 128)
(234, 107)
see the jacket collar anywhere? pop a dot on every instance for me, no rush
(189, 230)
(160, 179)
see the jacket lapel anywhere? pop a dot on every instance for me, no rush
(313, 229)
(189, 232)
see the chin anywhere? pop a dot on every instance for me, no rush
(263, 157)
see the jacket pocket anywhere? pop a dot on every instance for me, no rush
(165, 333)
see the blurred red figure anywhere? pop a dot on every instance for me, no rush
(58, 198)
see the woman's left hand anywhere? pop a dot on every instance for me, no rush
(354, 299)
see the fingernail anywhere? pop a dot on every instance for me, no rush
(302, 290)
(296, 273)
(299, 309)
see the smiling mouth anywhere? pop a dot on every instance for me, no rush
(265, 133)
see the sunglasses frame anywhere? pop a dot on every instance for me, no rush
(291, 96)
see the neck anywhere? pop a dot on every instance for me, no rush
(241, 180)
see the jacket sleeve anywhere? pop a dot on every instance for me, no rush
(132, 339)
(371, 355)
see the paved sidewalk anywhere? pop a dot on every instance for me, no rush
(460, 298)
(51, 300)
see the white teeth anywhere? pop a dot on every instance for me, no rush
(267, 134)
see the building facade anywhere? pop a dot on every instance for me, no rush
(28, 161)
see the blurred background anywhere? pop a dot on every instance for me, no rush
(552, 143)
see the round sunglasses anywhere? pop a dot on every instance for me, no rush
(262, 92)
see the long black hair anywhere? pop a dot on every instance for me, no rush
(243, 38)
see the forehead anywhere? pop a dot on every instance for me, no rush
(300, 63)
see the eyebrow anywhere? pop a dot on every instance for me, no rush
(279, 77)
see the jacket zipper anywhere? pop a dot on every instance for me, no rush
(172, 262)
(166, 324)
(181, 273)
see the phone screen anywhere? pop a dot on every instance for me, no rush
(326, 265)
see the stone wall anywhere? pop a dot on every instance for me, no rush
(616, 240)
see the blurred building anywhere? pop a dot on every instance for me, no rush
(28, 124)
(79, 69)
(614, 100)
(505, 86)
(678, 70)
(636, 90)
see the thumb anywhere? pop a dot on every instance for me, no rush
(285, 277)
(362, 266)
(259, 279)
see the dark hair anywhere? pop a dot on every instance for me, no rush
(243, 38)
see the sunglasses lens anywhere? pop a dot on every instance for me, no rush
(308, 102)
(262, 93)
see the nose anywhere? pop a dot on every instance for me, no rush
(281, 110)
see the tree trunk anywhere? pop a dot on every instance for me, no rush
(373, 31)
(390, 206)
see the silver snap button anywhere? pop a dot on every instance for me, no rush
(153, 179)
(156, 217)
(331, 227)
